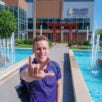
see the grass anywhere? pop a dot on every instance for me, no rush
(24, 46)
(83, 47)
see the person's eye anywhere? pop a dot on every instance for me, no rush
(44, 48)
(38, 49)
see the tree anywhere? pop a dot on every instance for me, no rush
(99, 31)
(7, 23)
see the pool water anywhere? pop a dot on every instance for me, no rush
(92, 76)
(20, 54)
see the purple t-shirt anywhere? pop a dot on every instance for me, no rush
(45, 89)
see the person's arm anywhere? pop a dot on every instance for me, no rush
(59, 91)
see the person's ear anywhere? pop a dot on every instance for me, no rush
(48, 50)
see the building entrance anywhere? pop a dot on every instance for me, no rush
(62, 26)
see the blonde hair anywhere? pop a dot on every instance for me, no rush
(39, 38)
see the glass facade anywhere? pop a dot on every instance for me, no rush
(21, 21)
(2, 7)
(29, 1)
(30, 23)
(83, 22)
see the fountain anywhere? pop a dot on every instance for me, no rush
(93, 75)
(95, 48)
(7, 52)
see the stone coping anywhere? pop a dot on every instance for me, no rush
(8, 71)
(81, 93)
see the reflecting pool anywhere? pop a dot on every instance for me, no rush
(92, 76)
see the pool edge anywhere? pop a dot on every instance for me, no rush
(81, 92)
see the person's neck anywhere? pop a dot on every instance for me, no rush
(43, 64)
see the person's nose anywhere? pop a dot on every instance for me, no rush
(42, 50)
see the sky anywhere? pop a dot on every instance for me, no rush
(98, 13)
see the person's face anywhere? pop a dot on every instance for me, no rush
(41, 50)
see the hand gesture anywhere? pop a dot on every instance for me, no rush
(37, 71)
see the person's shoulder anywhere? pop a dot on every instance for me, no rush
(23, 68)
(54, 62)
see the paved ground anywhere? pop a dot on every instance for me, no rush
(58, 53)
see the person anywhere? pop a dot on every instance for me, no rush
(47, 86)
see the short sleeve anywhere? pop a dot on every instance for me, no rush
(58, 74)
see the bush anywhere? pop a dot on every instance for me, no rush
(70, 44)
(28, 41)
(83, 42)
(50, 43)
(19, 41)
(86, 42)
(80, 42)
(100, 43)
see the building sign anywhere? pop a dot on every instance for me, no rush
(77, 12)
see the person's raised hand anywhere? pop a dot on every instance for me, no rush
(37, 71)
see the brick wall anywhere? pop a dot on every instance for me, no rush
(20, 3)
(23, 4)
(48, 8)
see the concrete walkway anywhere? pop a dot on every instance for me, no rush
(58, 53)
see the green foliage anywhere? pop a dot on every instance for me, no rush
(19, 41)
(24, 46)
(80, 42)
(83, 42)
(70, 44)
(98, 31)
(28, 41)
(86, 42)
(84, 47)
(100, 43)
(7, 23)
(50, 43)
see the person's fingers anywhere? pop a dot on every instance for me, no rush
(49, 74)
(30, 62)
(35, 72)
(36, 69)
(30, 66)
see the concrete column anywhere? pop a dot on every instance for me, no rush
(70, 33)
(62, 35)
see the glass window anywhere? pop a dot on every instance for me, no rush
(79, 20)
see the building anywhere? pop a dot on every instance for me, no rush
(46, 11)
(1, 3)
(61, 11)
(81, 11)
(59, 20)
(19, 8)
